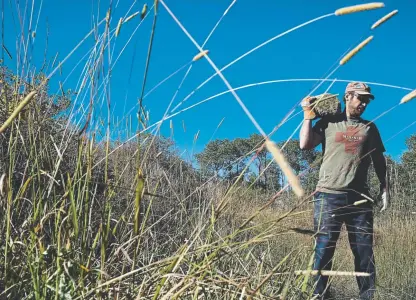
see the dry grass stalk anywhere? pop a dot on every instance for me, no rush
(196, 136)
(354, 51)
(18, 109)
(7, 51)
(119, 26)
(183, 125)
(108, 16)
(219, 125)
(408, 97)
(54, 60)
(368, 198)
(131, 17)
(144, 11)
(61, 88)
(384, 19)
(287, 170)
(358, 8)
(332, 273)
(200, 55)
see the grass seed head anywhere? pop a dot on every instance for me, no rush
(144, 11)
(200, 55)
(17, 110)
(408, 97)
(384, 19)
(354, 51)
(119, 26)
(358, 8)
(284, 165)
(3, 185)
(131, 17)
(327, 105)
(360, 202)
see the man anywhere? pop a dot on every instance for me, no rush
(349, 144)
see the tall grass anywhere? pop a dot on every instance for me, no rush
(89, 218)
(162, 235)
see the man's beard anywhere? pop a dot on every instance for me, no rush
(355, 112)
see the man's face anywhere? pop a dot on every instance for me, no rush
(357, 104)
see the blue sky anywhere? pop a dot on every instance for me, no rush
(308, 53)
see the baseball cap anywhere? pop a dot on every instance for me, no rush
(360, 88)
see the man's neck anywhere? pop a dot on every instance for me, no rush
(347, 112)
(348, 115)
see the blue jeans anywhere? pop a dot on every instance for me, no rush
(330, 212)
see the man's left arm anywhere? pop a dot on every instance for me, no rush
(380, 166)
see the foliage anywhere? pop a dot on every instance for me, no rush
(87, 219)
(228, 159)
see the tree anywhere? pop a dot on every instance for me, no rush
(224, 157)
(409, 157)
(266, 175)
(303, 162)
(404, 176)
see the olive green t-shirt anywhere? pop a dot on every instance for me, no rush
(347, 146)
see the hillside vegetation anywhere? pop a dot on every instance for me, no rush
(83, 218)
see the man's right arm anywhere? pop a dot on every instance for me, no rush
(308, 139)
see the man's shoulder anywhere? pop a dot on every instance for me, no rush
(374, 134)
(331, 119)
(368, 123)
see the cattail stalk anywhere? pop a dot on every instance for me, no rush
(200, 55)
(119, 26)
(408, 97)
(144, 11)
(3, 185)
(384, 19)
(358, 8)
(368, 198)
(287, 170)
(332, 273)
(196, 136)
(18, 109)
(131, 17)
(360, 202)
(219, 125)
(354, 51)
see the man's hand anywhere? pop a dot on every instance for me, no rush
(384, 198)
(308, 113)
